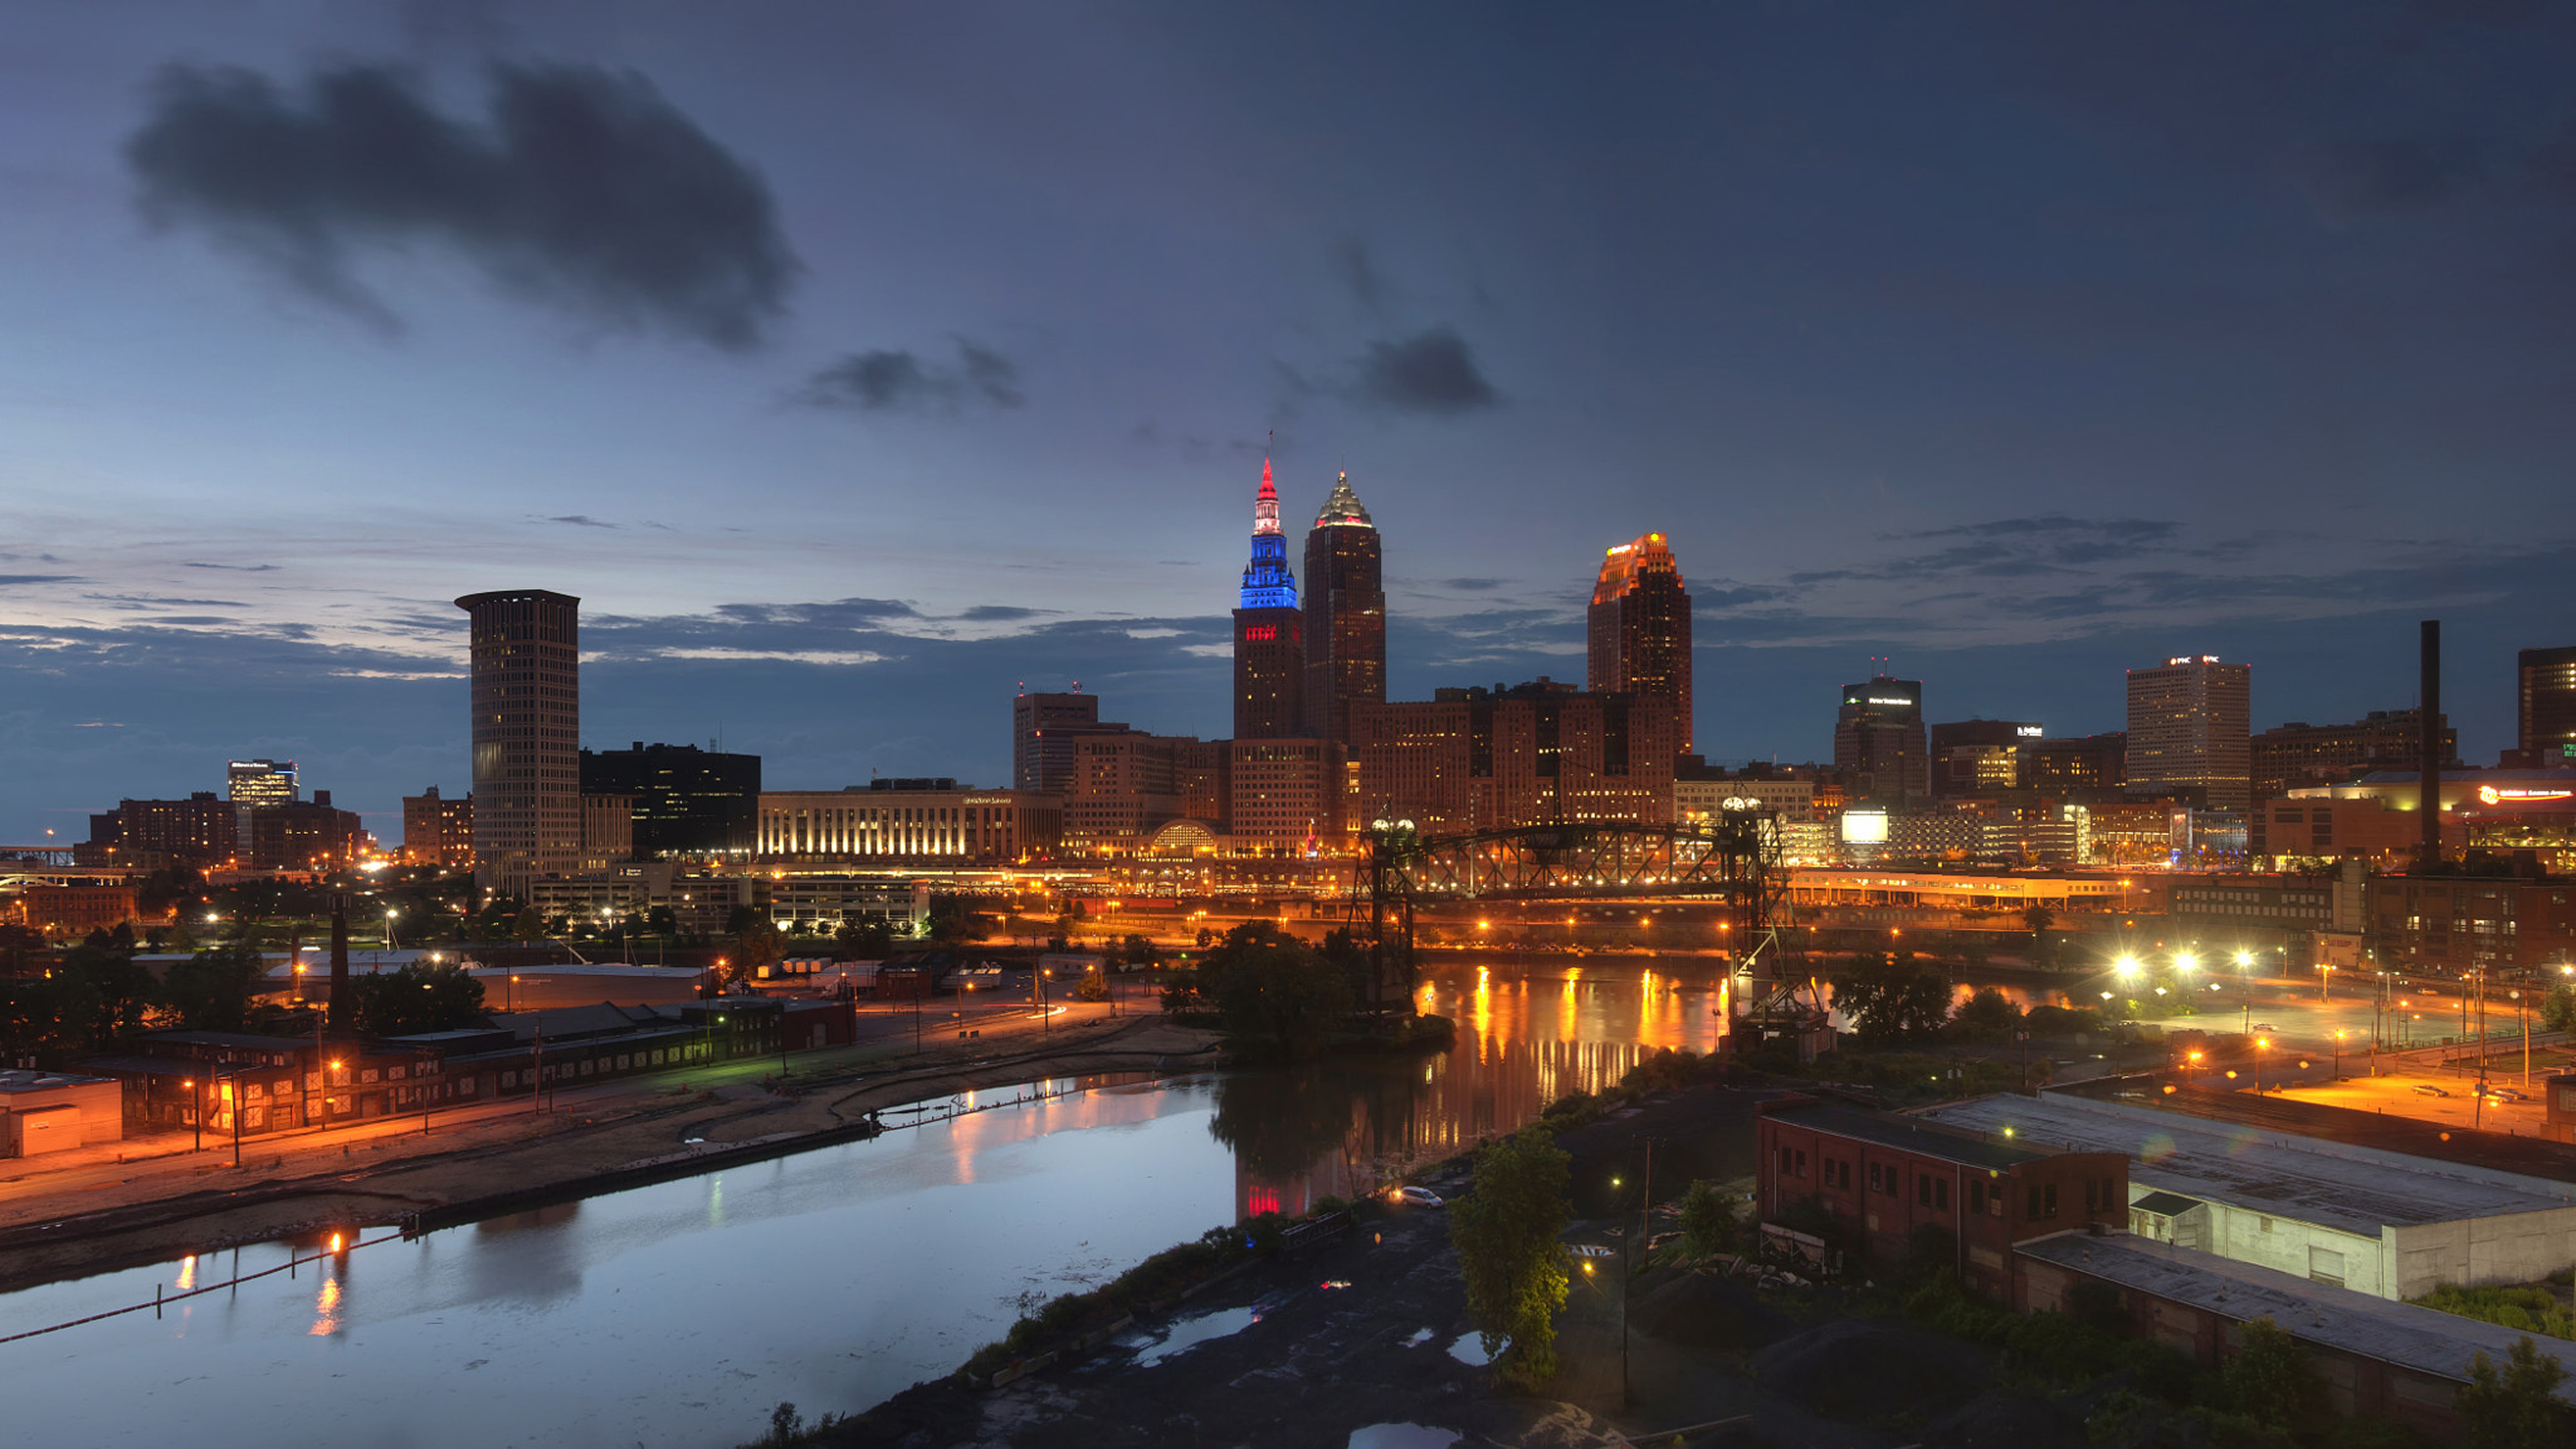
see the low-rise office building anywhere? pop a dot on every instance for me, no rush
(2358, 1217)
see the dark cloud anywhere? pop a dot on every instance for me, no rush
(889, 381)
(1473, 585)
(1735, 596)
(1352, 265)
(1430, 372)
(579, 520)
(151, 601)
(585, 190)
(2051, 523)
(236, 568)
(1001, 613)
(2348, 179)
(8, 579)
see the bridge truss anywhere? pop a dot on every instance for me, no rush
(1734, 858)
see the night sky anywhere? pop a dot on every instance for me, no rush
(858, 363)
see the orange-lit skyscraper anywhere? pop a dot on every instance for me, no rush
(1345, 615)
(1269, 632)
(1641, 629)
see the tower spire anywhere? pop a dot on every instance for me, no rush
(1265, 506)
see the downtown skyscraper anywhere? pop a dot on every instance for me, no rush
(526, 701)
(1269, 632)
(1345, 615)
(1640, 629)
(2191, 731)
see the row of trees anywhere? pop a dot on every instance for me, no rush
(96, 995)
(1895, 999)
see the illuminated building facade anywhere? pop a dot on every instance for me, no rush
(1878, 742)
(1043, 729)
(260, 782)
(2190, 731)
(2301, 754)
(1345, 615)
(1979, 757)
(1269, 632)
(607, 830)
(303, 836)
(2080, 767)
(525, 647)
(1473, 759)
(438, 831)
(918, 821)
(2545, 697)
(687, 801)
(1639, 629)
(1284, 796)
(1125, 787)
(200, 832)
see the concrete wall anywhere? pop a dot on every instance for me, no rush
(50, 1119)
(2508, 1248)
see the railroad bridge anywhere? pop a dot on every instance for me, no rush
(1734, 858)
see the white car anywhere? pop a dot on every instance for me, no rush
(1420, 1197)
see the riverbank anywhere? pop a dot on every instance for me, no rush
(596, 1139)
(1364, 1329)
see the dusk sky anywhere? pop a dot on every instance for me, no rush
(855, 364)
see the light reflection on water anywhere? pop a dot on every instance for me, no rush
(679, 1314)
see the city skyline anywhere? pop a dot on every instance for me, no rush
(1987, 351)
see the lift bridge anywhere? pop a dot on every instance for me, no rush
(1733, 857)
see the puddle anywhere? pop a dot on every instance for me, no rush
(1469, 1348)
(1420, 1337)
(1403, 1436)
(1189, 1333)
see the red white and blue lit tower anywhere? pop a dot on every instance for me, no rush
(1269, 632)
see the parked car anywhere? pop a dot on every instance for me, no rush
(2427, 1089)
(1421, 1197)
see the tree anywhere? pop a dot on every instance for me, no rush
(1891, 1000)
(1986, 1016)
(2558, 1009)
(2269, 1380)
(662, 921)
(754, 945)
(418, 998)
(1708, 1220)
(868, 938)
(2043, 951)
(109, 990)
(213, 990)
(1271, 989)
(2515, 1407)
(1506, 1230)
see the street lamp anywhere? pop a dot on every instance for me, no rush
(2259, 1044)
(196, 1111)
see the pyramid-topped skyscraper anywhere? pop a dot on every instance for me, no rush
(1345, 615)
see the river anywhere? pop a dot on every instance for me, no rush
(679, 1314)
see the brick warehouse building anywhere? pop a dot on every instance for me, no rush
(1882, 1176)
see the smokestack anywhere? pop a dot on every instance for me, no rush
(2428, 787)
(343, 1008)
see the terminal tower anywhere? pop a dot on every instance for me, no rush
(1269, 632)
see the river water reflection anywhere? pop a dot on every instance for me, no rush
(679, 1314)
